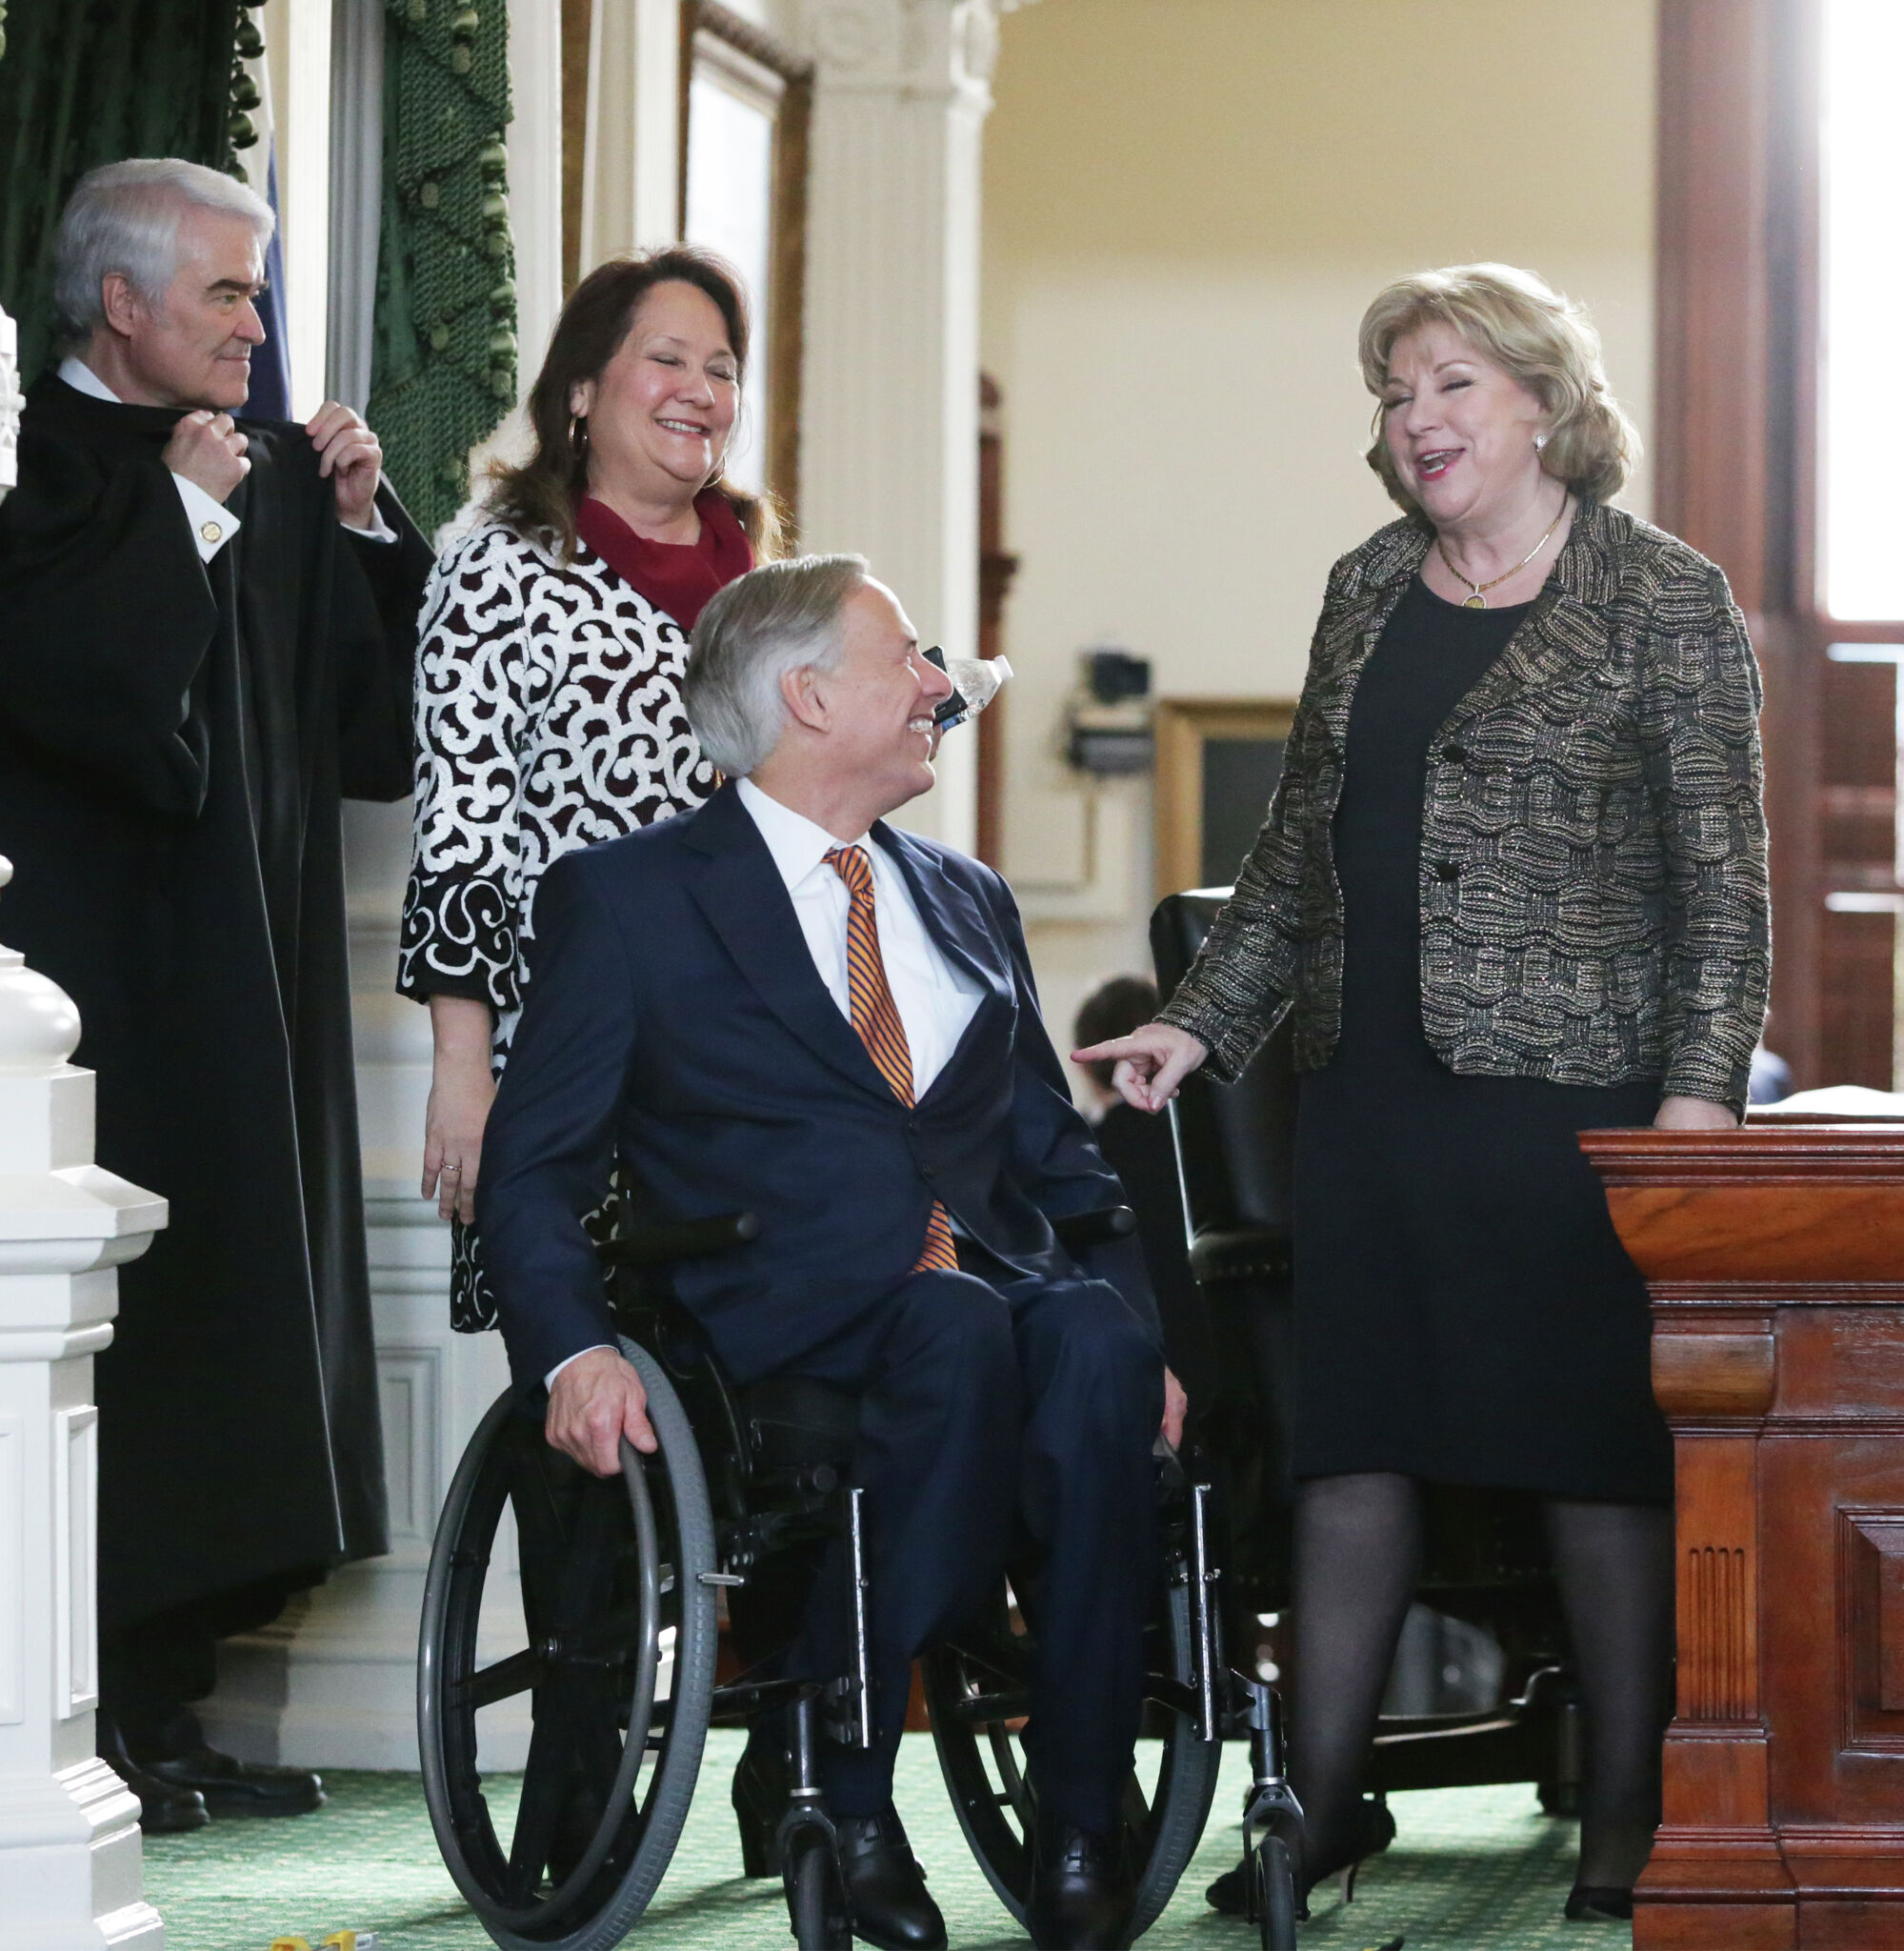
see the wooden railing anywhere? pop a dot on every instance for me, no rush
(1776, 1260)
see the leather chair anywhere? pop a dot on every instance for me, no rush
(1485, 1559)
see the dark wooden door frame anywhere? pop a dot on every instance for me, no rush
(1736, 465)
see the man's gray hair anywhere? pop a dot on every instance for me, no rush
(124, 217)
(762, 627)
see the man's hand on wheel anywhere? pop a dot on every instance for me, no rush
(595, 1401)
(1175, 1404)
(1151, 1063)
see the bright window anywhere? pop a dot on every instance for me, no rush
(733, 106)
(1862, 309)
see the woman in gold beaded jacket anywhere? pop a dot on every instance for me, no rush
(1512, 886)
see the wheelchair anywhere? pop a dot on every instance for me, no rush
(617, 1638)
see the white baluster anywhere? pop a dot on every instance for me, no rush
(70, 1862)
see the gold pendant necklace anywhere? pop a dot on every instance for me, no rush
(1480, 599)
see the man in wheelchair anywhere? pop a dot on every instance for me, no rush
(780, 1004)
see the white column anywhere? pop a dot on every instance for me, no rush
(71, 1873)
(888, 434)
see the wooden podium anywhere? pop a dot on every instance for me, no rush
(1775, 1258)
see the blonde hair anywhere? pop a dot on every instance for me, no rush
(1533, 334)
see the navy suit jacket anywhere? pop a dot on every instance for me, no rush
(675, 1017)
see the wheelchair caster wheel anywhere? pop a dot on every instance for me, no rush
(816, 1903)
(1273, 1894)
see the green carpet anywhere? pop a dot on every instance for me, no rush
(1471, 1870)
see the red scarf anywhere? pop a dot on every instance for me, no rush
(676, 578)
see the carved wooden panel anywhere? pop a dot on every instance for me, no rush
(1870, 1603)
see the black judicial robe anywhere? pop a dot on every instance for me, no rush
(174, 741)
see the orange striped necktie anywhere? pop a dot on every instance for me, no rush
(876, 1018)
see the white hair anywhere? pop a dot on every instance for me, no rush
(765, 625)
(124, 217)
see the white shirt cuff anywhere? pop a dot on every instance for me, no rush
(379, 531)
(549, 1380)
(213, 523)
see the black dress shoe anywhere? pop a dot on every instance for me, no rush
(164, 1809)
(885, 1885)
(760, 1794)
(231, 1788)
(1083, 1893)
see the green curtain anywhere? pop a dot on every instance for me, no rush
(443, 354)
(91, 81)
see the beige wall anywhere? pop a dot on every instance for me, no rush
(1187, 205)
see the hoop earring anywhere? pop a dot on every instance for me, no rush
(579, 435)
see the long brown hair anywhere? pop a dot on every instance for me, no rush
(541, 494)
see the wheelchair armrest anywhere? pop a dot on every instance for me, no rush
(1252, 1252)
(1077, 1231)
(687, 1240)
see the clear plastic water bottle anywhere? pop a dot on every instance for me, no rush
(975, 682)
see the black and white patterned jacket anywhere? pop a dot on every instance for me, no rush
(1593, 899)
(548, 717)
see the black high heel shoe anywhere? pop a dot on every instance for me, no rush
(1372, 1830)
(1597, 1903)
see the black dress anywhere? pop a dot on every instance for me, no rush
(1465, 1313)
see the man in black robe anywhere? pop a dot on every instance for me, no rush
(208, 629)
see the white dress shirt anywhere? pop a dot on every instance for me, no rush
(213, 523)
(935, 999)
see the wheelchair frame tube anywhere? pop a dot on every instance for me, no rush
(1202, 1576)
(862, 1651)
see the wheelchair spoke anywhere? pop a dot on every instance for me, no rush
(507, 1677)
(545, 1786)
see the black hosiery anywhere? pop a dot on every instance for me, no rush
(1614, 1566)
(1358, 1544)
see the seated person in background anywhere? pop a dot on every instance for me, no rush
(1142, 1152)
(780, 1004)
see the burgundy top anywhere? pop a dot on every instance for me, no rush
(676, 578)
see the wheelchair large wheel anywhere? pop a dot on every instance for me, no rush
(976, 1692)
(615, 1645)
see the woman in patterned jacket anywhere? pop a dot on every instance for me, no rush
(1512, 883)
(554, 635)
